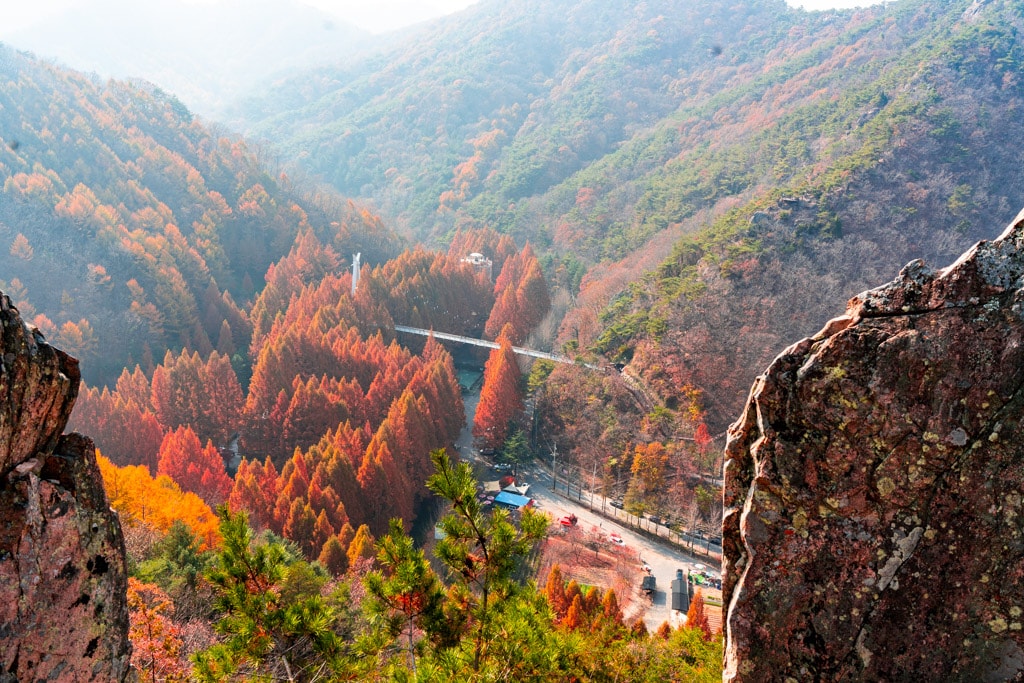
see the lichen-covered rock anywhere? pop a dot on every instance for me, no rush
(63, 610)
(874, 523)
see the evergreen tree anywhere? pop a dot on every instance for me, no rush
(480, 551)
(273, 620)
(406, 594)
(515, 450)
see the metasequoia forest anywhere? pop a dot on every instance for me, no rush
(661, 195)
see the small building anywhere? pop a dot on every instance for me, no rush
(481, 264)
(680, 592)
(512, 501)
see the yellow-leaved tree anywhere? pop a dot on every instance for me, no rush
(141, 499)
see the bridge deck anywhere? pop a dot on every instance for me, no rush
(488, 344)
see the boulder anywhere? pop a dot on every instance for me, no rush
(63, 574)
(874, 487)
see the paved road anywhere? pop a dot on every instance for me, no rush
(712, 552)
(663, 560)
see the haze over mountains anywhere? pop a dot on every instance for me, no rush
(206, 54)
(691, 185)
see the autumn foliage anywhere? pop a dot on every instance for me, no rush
(575, 609)
(338, 419)
(205, 395)
(501, 397)
(156, 503)
(156, 640)
(194, 467)
(696, 617)
(521, 298)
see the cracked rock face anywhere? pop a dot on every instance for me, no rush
(874, 493)
(63, 610)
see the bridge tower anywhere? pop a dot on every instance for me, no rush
(355, 272)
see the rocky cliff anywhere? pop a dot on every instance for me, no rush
(63, 611)
(875, 487)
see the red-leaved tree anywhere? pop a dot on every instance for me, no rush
(194, 468)
(501, 396)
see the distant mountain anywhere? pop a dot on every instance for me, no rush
(477, 113)
(707, 179)
(899, 141)
(127, 228)
(205, 54)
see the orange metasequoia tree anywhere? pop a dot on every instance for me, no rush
(696, 617)
(501, 396)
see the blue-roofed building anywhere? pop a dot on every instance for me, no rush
(512, 501)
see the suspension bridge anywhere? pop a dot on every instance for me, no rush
(532, 353)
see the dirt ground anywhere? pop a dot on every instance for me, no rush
(586, 556)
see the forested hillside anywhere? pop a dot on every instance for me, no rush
(671, 191)
(490, 110)
(127, 228)
(607, 133)
(210, 301)
(910, 154)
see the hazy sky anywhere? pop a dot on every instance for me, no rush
(373, 15)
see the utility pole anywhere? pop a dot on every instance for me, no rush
(554, 468)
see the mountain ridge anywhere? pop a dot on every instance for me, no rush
(629, 129)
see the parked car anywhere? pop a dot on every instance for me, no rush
(616, 504)
(616, 539)
(568, 521)
(656, 519)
